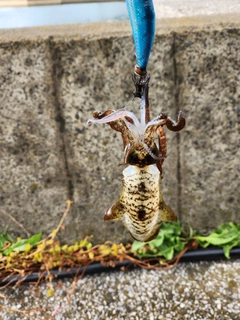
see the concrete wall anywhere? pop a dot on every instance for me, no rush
(52, 79)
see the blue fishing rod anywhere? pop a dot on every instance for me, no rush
(142, 19)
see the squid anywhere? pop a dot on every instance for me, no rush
(141, 207)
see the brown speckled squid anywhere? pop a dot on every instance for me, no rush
(141, 207)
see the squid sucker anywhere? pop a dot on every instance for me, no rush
(141, 207)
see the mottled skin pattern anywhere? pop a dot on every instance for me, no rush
(141, 207)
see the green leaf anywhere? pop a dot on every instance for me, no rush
(137, 245)
(226, 236)
(3, 240)
(228, 247)
(216, 241)
(158, 241)
(171, 228)
(179, 246)
(168, 253)
(223, 235)
(8, 237)
(21, 245)
(226, 251)
(172, 239)
(165, 244)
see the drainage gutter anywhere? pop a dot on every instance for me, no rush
(212, 254)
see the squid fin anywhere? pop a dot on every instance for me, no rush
(114, 212)
(166, 213)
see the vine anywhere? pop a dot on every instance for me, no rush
(34, 254)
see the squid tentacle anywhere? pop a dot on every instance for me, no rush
(118, 114)
(172, 125)
(162, 148)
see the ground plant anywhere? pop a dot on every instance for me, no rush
(24, 256)
(20, 258)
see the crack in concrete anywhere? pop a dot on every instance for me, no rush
(59, 117)
(177, 106)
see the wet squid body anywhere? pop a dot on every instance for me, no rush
(141, 207)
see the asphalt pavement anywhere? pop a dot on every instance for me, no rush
(201, 291)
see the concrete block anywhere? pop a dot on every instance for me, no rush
(33, 182)
(207, 72)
